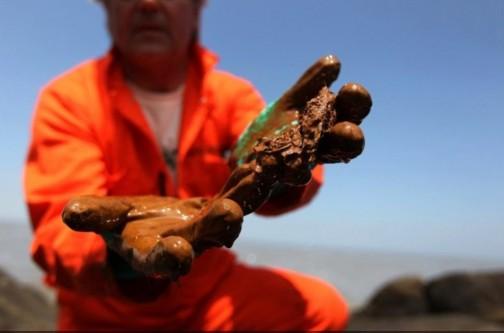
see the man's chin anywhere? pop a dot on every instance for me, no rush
(150, 50)
(151, 44)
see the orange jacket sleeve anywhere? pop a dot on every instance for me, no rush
(247, 106)
(63, 160)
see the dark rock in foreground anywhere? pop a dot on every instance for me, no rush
(457, 301)
(403, 297)
(480, 294)
(23, 307)
(426, 322)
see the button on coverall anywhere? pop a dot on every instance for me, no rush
(89, 136)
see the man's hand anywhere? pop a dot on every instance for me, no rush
(308, 125)
(157, 236)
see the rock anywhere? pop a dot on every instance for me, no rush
(23, 307)
(400, 297)
(426, 322)
(480, 294)
(457, 301)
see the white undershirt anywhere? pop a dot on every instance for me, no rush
(163, 112)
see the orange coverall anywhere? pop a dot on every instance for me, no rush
(89, 136)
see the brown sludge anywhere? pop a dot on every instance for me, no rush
(161, 236)
(158, 235)
(100, 214)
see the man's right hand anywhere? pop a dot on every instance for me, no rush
(157, 236)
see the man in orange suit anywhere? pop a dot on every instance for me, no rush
(153, 116)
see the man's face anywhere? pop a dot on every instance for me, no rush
(156, 27)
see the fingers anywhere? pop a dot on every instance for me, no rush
(98, 214)
(353, 103)
(171, 257)
(139, 242)
(343, 142)
(220, 225)
(321, 74)
(166, 246)
(147, 250)
(111, 213)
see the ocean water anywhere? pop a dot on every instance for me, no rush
(355, 274)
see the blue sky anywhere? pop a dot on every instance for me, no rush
(431, 177)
